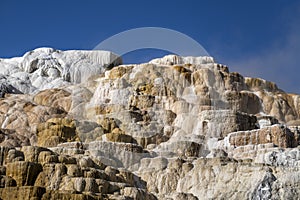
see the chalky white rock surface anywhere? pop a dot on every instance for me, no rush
(46, 68)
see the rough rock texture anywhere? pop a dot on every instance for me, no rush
(75, 125)
(46, 68)
(276, 134)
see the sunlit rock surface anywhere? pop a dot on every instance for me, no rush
(46, 68)
(78, 125)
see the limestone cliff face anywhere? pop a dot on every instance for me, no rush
(78, 125)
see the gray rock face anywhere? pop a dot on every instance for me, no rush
(6, 88)
(264, 190)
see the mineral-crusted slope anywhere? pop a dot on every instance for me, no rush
(77, 125)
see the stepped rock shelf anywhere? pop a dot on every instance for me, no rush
(80, 125)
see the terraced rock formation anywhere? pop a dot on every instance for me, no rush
(80, 125)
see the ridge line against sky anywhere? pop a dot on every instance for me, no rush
(255, 38)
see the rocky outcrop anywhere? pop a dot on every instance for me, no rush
(55, 131)
(173, 128)
(46, 68)
(45, 174)
(278, 135)
(218, 178)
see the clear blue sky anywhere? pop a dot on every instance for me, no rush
(255, 38)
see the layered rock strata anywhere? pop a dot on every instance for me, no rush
(79, 125)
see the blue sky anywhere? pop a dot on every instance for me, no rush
(255, 38)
